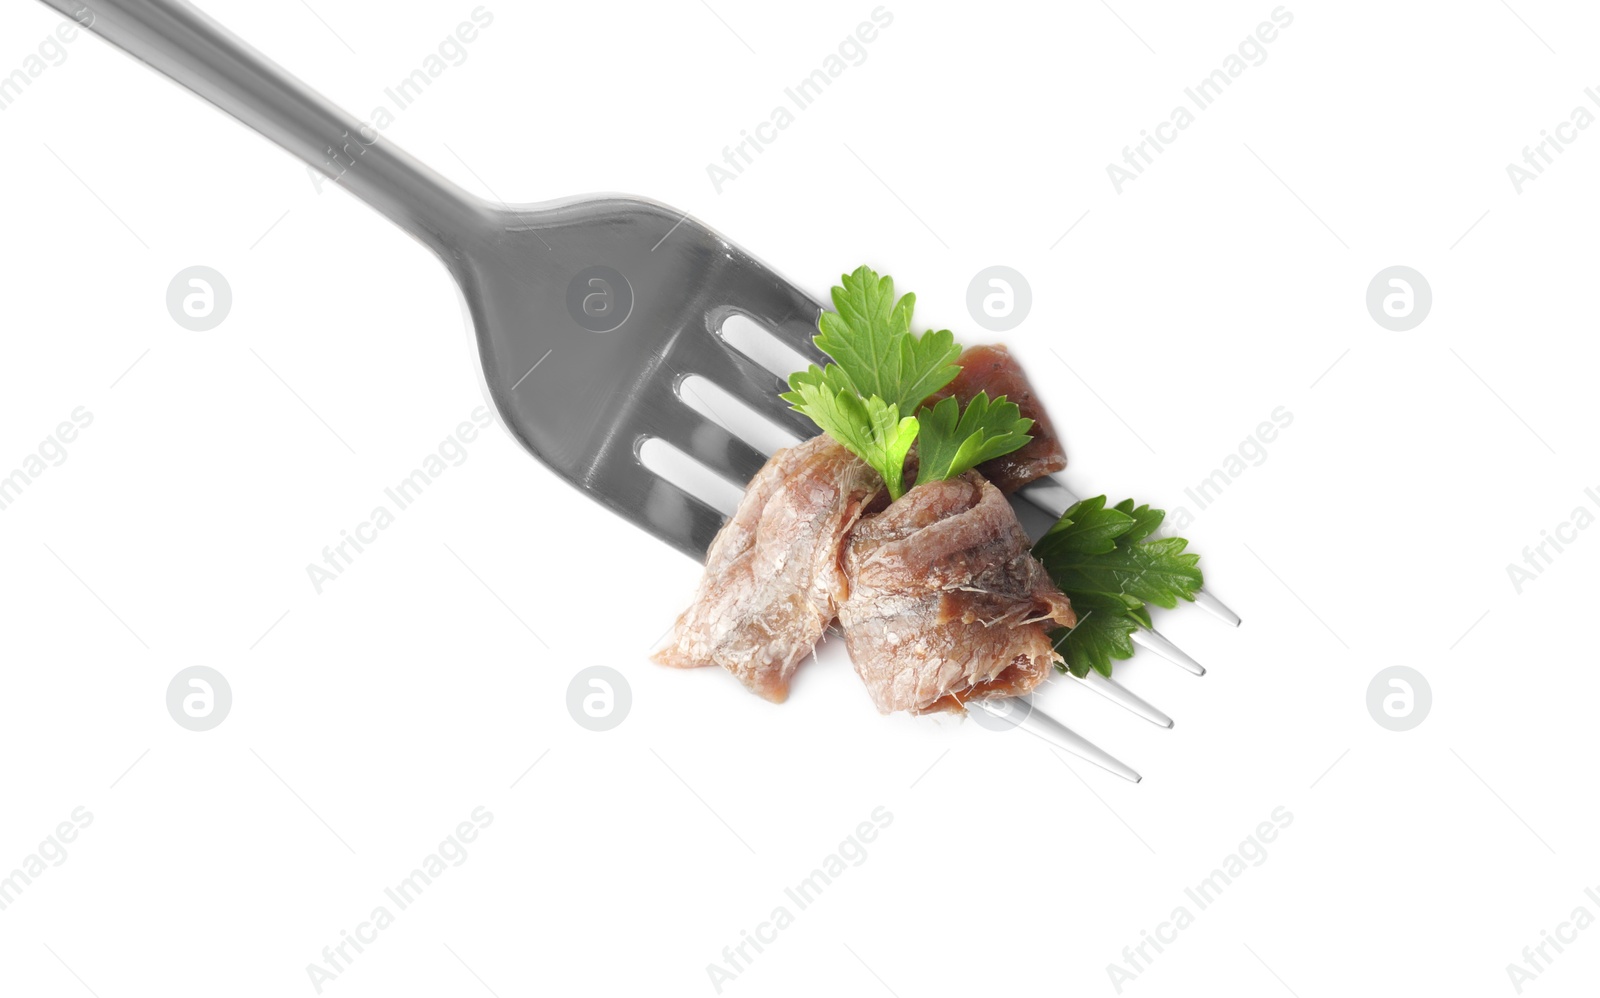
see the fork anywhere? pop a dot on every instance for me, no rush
(628, 295)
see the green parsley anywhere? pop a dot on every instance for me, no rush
(1105, 561)
(869, 338)
(871, 428)
(985, 430)
(868, 399)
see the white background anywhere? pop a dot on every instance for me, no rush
(370, 720)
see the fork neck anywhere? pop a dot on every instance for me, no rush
(181, 42)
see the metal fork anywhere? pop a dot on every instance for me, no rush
(624, 296)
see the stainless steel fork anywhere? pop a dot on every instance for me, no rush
(625, 298)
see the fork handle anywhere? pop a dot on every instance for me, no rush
(178, 40)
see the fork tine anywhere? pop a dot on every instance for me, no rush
(1052, 495)
(1051, 731)
(780, 307)
(710, 444)
(746, 381)
(1126, 698)
(1159, 643)
(1048, 494)
(1216, 608)
(622, 483)
(798, 332)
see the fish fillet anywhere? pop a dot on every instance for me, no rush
(944, 601)
(773, 578)
(992, 369)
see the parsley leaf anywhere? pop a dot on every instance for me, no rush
(1087, 528)
(950, 445)
(1104, 560)
(1146, 520)
(1156, 571)
(870, 428)
(881, 373)
(1098, 638)
(870, 338)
